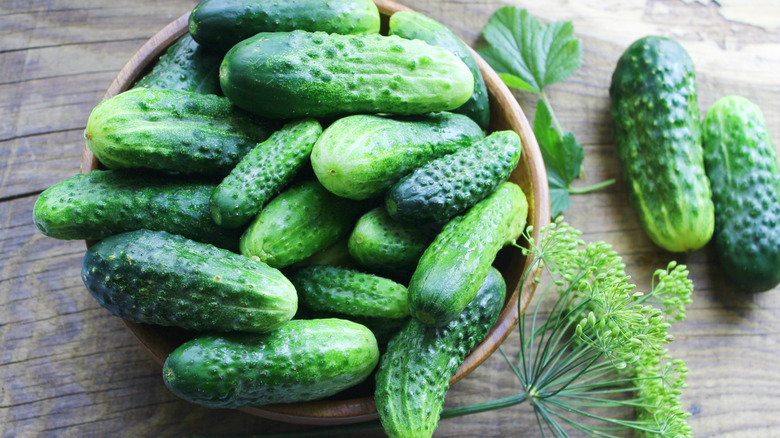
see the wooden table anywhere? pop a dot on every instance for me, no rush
(67, 368)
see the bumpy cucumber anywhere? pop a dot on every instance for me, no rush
(414, 373)
(742, 165)
(361, 156)
(658, 137)
(172, 130)
(221, 24)
(414, 25)
(383, 244)
(300, 361)
(185, 66)
(448, 186)
(160, 278)
(300, 74)
(299, 222)
(263, 172)
(102, 203)
(452, 269)
(349, 292)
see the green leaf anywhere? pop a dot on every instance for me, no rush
(560, 200)
(535, 55)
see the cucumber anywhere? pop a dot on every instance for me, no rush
(382, 244)
(263, 172)
(448, 186)
(299, 222)
(658, 136)
(742, 165)
(361, 156)
(414, 373)
(305, 74)
(155, 277)
(99, 204)
(302, 360)
(185, 66)
(349, 292)
(414, 25)
(452, 269)
(172, 130)
(334, 255)
(221, 24)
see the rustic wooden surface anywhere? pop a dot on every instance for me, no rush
(67, 368)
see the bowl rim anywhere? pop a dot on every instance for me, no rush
(331, 412)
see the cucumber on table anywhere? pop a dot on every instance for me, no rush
(446, 187)
(221, 24)
(263, 172)
(454, 266)
(315, 74)
(742, 166)
(185, 66)
(101, 203)
(416, 26)
(658, 136)
(299, 222)
(155, 277)
(300, 361)
(361, 156)
(180, 131)
(414, 373)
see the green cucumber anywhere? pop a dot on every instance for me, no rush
(300, 361)
(305, 74)
(185, 66)
(263, 172)
(452, 269)
(299, 222)
(416, 26)
(172, 130)
(658, 136)
(414, 373)
(383, 244)
(741, 163)
(447, 186)
(334, 255)
(361, 156)
(221, 24)
(155, 277)
(349, 292)
(101, 203)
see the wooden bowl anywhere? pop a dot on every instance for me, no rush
(530, 175)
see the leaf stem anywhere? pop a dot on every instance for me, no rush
(555, 122)
(594, 187)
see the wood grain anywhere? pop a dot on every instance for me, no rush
(67, 368)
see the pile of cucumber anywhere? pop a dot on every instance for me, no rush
(691, 180)
(340, 199)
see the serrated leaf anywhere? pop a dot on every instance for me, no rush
(560, 149)
(522, 47)
(560, 200)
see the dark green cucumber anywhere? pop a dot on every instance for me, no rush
(300, 361)
(383, 244)
(414, 373)
(155, 277)
(350, 292)
(102, 203)
(334, 255)
(299, 222)
(185, 66)
(221, 24)
(447, 186)
(263, 172)
(452, 269)
(305, 74)
(361, 156)
(742, 165)
(416, 26)
(172, 130)
(658, 137)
